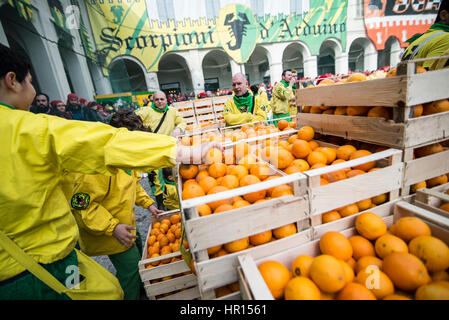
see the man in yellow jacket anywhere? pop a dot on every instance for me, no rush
(282, 92)
(37, 150)
(104, 210)
(243, 107)
(162, 119)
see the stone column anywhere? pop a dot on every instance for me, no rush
(152, 81)
(311, 67)
(236, 67)
(341, 64)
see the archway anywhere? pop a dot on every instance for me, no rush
(174, 74)
(217, 71)
(326, 59)
(389, 56)
(257, 67)
(362, 55)
(293, 58)
(126, 75)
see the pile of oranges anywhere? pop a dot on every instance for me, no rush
(165, 238)
(401, 263)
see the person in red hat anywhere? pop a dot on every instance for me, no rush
(77, 111)
(58, 109)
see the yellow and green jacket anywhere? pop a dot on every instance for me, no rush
(280, 100)
(37, 150)
(151, 116)
(100, 202)
(253, 111)
(171, 198)
(432, 43)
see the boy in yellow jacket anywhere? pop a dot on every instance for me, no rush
(282, 92)
(170, 192)
(104, 210)
(37, 150)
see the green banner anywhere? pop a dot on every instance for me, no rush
(57, 11)
(123, 28)
(87, 44)
(23, 8)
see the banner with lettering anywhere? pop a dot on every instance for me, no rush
(398, 18)
(123, 28)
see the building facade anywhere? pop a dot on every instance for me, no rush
(77, 46)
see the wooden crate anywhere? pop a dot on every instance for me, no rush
(212, 230)
(432, 199)
(424, 168)
(252, 285)
(203, 106)
(218, 105)
(170, 289)
(400, 93)
(387, 179)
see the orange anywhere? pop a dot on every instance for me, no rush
(282, 190)
(376, 281)
(435, 107)
(396, 297)
(418, 111)
(357, 110)
(301, 288)
(438, 290)
(405, 270)
(291, 169)
(301, 148)
(326, 82)
(260, 170)
(359, 154)
(355, 291)
(237, 245)
(214, 205)
(428, 150)
(241, 150)
(292, 124)
(436, 181)
(203, 210)
(445, 207)
(379, 199)
(185, 141)
(303, 165)
(193, 190)
(388, 244)
(239, 171)
(301, 265)
(432, 251)
(336, 244)
(379, 112)
(188, 171)
(248, 161)
(361, 247)
(408, 228)
(276, 276)
(157, 262)
(370, 225)
(261, 238)
(270, 190)
(151, 240)
(230, 182)
(189, 182)
(367, 261)
(217, 170)
(357, 76)
(253, 196)
(214, 155)
(222, 291)
(292, 138)
(330, 153)
(323, 182)
(313, 144)
(175, 218)
(213, 250)
(152, 250)
(306, 133)
(345, 151)
(207, 183)
(349, 210)
(282, 124)
(316, 157)
(281, 158)
(155, 232)
(284, 231)
(348, 272)
(330, 216)
(223, 208)
(440, 275)
(364, 204)
(241, 204)
(327, 273)
(201, 174)
(353, 173)
(170, 236)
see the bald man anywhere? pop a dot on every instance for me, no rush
(243, 107)
(161, 119)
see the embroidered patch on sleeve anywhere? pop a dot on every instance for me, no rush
(227, 110)
(80, 201)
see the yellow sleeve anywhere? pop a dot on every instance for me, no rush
(142, 198)
(95, 218)
(233, 119)
(96, 148)
(180, 122)
(282, 93)
(260, 114)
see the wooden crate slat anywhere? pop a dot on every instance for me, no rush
(202, 102)
(425, 168)
(428, 86)
(260, 288)
(188, 294)
(426, 129)
(222, 271)
(231, 296)
(171, 285)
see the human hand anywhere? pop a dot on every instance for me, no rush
(196, 154)
(122, 234)
(177, 132)
(155, 211)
